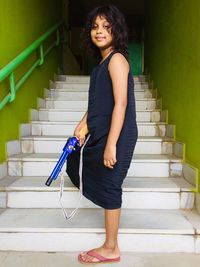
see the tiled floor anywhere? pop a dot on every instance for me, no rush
(129, 259)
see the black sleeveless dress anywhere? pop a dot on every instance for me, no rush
(102, 185)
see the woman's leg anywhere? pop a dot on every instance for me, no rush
(112, 218)
(110, 247)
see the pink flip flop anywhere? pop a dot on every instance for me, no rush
(97, 256)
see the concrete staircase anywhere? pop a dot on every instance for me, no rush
(158, 213)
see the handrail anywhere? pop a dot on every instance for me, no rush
(8, 70)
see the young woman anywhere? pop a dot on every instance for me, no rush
(111, 121)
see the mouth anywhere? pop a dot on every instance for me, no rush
(100, 38)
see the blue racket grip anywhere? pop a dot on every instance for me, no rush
(71, 144)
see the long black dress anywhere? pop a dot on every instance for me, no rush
(102, 185)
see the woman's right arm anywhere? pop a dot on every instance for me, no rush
(80, 125)
(83, 121)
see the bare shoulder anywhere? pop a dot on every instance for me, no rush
(118, 62)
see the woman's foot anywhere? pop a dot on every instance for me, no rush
(104, 251)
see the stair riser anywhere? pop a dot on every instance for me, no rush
(80, 79)
(51, 115)
(83, 104)
(56, 146)
(63, 85)
(68, 95)
(130, 200)
(65, 241)
(64, 129)
(137, 169)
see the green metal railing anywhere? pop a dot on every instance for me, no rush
(8, 70)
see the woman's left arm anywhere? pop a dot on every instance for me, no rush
(118, 68)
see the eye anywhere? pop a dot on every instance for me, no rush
(107, 26)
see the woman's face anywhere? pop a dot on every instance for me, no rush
(100, 33)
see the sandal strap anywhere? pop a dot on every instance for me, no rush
(100, 257)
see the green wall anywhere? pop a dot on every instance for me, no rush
(172, 56)
(69, 63)
(21, 22)
(135, 57)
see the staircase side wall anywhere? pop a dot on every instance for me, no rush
(172, 57)
(21, 23)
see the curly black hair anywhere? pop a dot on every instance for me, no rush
(119, 30)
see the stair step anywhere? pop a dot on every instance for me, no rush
(55, 144)
(67, 128)
(154, 115)
(86, 78)
(64, 137)
(130, 184)
(65, 94)
(147, 165)
(139, 230)
(159, 193)
(72, 85)
(136, 157)
(74, 103)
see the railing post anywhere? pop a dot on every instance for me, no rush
(12, 87)
(41, 55)
(57, 37)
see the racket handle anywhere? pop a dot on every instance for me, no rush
(84, 130)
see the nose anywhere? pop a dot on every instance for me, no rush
(99, 30)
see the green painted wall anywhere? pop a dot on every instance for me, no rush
(21, 22)
(135, 56)
(135, 59)
(172, 55)
(69, 63)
